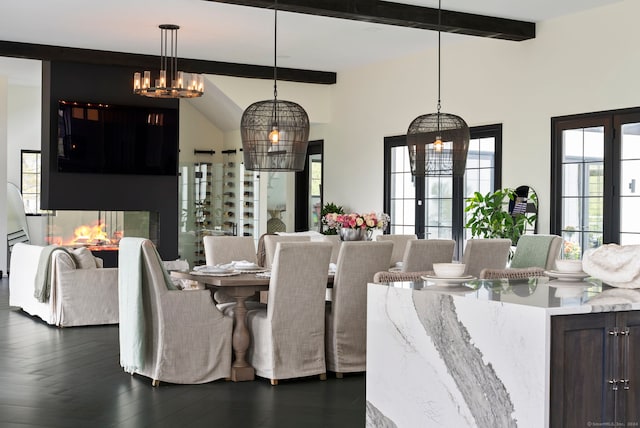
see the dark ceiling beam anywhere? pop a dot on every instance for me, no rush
(151, 62)
(403, 15)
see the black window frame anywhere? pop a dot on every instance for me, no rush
(458, 198)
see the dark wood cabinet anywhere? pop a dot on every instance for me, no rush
(595, 370)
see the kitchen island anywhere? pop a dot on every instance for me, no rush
(502, 354)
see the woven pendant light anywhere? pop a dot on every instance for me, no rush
(274, 133)
(438, 142)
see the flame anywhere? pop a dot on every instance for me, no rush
(91, 235)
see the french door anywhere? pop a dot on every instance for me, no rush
(433, 207)
(595, 178)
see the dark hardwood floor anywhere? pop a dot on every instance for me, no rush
(51, 377)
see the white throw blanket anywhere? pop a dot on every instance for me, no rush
(616, 265)
(130, 300)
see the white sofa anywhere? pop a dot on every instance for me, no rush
(87, 295)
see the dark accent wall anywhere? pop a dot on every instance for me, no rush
(75, 191)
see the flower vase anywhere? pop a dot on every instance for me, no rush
(347, 234)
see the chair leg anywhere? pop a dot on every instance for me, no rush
(155, 382)
(339, 375)
(323, 376)
(274, 382)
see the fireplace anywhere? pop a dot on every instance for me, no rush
(100, 231)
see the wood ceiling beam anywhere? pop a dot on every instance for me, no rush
(150, 62)
(403, 15)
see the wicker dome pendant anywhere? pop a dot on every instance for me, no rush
(438, 142)
(275, 133)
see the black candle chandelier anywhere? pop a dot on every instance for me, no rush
(438, 142)
(275, 133)
(171, 82)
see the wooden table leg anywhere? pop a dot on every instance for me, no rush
(241, 370)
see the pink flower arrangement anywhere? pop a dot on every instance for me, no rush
(367, 221)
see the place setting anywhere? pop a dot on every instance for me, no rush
(220, 270)
(568, 271)
(449, 275)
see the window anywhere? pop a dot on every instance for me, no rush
(595, 168)
(30, 181)
(434, 206)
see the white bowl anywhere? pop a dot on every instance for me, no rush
(569, 265)
(449, 270)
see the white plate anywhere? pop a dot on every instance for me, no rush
(256, 269)
(212, 269)
(566, 276)
(448, 281)
(205, 273)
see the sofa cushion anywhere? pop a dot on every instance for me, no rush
(84, 258)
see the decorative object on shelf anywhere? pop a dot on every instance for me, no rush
(171, 83)
(328, 223)
(275, 223)
(358, 227)
(438, 142)
(488, 218)
(275, 133)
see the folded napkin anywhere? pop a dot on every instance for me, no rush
(244, 264)
(616, 265)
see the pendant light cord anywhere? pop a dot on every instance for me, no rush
(275, 51)
(439, 23)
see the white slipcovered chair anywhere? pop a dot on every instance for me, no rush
(226, 249)
(270, 242)
(482, 254)
(336, 243)
(346, 316)
(399, 245)
(421, 254)
(287, 337)
(168, 334)
(81, 291)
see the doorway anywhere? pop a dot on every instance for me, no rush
(308, 200)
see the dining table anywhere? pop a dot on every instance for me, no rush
(239, 287)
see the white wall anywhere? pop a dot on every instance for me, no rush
(198, 133)
(581, 63)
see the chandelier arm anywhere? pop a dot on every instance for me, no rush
(174, 57)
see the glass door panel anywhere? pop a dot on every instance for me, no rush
(582, 189)
(630, 184)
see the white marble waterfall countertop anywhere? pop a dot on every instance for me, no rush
(476, 355)
(557, 297)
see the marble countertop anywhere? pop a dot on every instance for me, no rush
(556, 297)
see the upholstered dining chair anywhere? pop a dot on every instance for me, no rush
(537, 251)
(399, 245)
(287, 337)
(421, 254)
(270, 242)
(167, 334)
(336, 243)
(346, 315)
(226, 249)
(485, 254)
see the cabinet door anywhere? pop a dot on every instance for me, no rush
(581, 362)
(629, 398)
